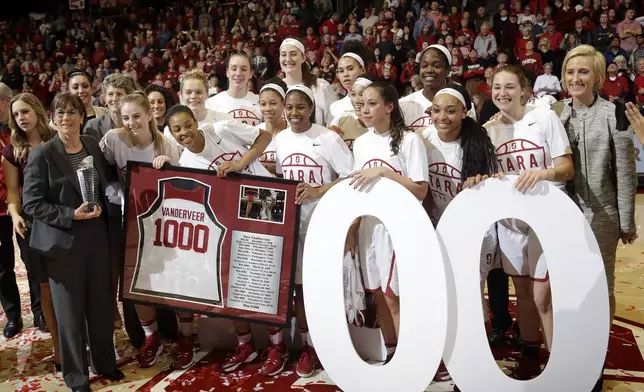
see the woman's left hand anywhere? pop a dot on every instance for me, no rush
(636, 119)
(228, 167)
(361, 179)
(159, 161)
(629, 238)
(305, 192)
(528, 179)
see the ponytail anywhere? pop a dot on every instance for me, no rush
(479, 155)
(308, 78)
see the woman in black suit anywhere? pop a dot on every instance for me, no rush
(73, 234)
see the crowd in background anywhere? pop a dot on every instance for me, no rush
(180, 45)
(154, 45)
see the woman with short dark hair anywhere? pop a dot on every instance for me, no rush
(70, 229)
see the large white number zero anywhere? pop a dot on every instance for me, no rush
(423, 305)
(577, 277)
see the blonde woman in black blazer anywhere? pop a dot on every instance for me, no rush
(75, 237)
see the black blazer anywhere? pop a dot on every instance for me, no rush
(52, 193)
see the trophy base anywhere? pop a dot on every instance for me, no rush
(90, 206)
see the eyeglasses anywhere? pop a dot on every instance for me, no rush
(71, 113)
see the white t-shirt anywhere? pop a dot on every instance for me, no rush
(324, 97)
(340, 109)
(374, 150)
(226, 141)
(413, 107)
(531, 143)
(317, 157)
(445, 165)
(118, 151)
(244, 110)
(212, 116)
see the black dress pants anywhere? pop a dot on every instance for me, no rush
(9, 294)
(81, 292)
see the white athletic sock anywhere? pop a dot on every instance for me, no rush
(185, 326)
(276, 338)
(245, 338)
(150, 328)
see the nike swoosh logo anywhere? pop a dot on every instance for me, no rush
(316, 145)
(532, 124)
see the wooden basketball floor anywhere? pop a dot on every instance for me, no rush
(26, 363)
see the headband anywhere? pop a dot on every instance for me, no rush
(454, 93)
(294, 42)
(441, 48)
(273, 86)
(76, 72)
(355, 57)
(304, 89)
(363, 82)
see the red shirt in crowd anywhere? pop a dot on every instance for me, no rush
(333, 28)
(311, 43)
(565, 20)
(639, 84)
(531, 62)
(519, 49)
(378, 27)
(555, 38)
(614, 88)
(407, 72)
(98, 56)
(429, 38)
(472, 69)
(470, 34)
(485, 89)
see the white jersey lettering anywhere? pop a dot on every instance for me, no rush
(445, 181)
(519, 155)
(377, 162)
(301, 167)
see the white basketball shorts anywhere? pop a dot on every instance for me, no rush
(377, 258)
(490, 255)
(521, 253)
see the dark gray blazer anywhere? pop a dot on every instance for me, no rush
(52, 193)
(98, 127)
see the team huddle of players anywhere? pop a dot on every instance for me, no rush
(426, 142)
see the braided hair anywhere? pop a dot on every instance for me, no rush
(479, 155)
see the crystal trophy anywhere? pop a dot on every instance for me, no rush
(85, 173)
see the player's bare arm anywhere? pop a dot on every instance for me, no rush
(306, 192)
(361, 180)
(253, 153)
(563, 171)
(350, 245)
